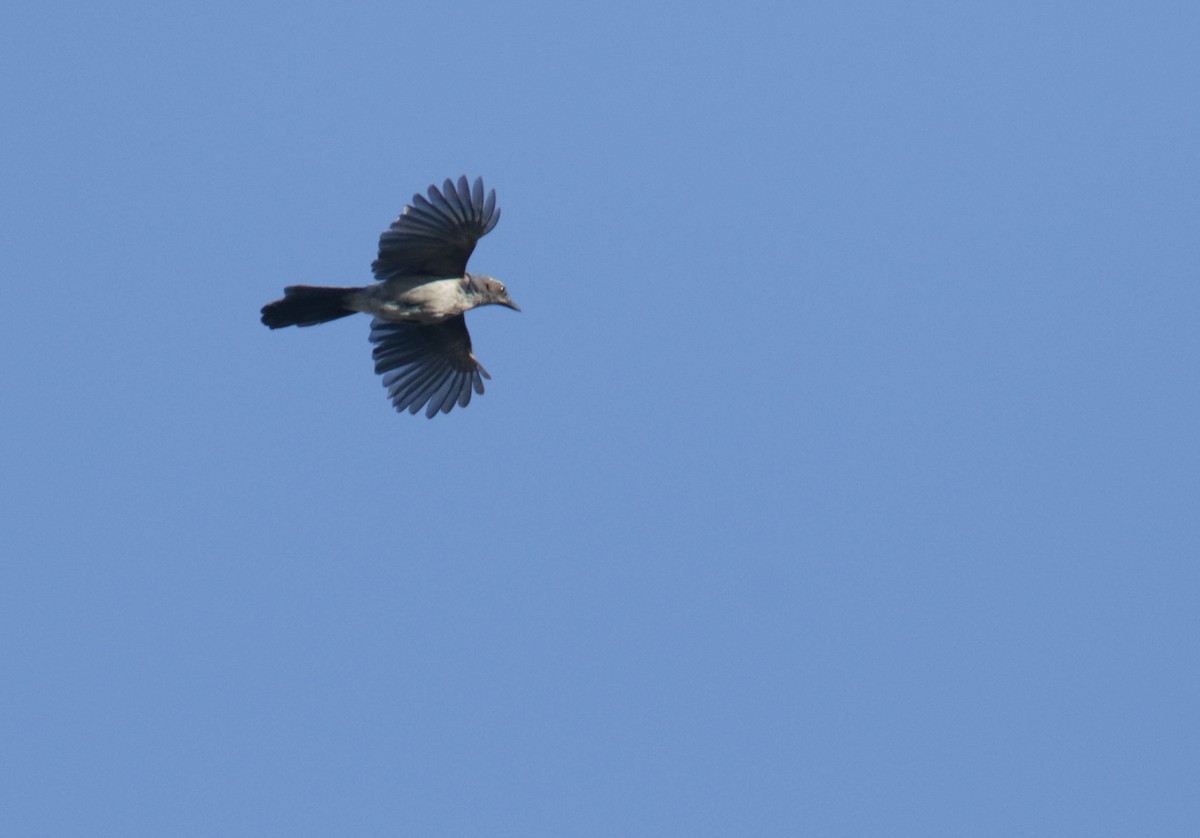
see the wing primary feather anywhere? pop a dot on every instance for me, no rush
(476, 193)
(443, 205)
(454, 199)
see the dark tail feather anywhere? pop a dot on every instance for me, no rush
(306, 305)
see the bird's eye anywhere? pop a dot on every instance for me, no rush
(501, 289)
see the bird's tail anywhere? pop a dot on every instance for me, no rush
(307, 305)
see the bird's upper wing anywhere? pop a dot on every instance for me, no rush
(434, 236)
(427, 366)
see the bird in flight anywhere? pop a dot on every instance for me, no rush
(422, 348)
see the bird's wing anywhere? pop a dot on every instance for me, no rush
(427, 366)
(434, 236)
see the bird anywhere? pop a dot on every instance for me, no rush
(422, 290)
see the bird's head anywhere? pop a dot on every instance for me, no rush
(490, 291)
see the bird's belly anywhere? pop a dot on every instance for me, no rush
(399, 313)
(425, 302)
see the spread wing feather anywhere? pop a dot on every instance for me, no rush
(427, 367)
(436, 233)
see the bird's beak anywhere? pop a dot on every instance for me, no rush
(512, 305)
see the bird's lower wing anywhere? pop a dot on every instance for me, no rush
(427, 366)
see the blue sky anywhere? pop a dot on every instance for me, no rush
(840, 476)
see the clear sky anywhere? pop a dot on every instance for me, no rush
(840, 477)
